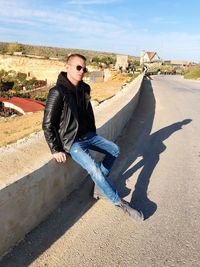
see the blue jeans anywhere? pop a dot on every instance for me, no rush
(79, 151)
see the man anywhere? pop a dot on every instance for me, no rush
(69, 129)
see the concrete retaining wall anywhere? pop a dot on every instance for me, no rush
(33, 189)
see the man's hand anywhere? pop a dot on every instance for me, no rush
(60, 157)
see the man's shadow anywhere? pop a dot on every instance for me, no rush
(149, 147)
(150, 151)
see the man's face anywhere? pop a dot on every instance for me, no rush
(75, 70)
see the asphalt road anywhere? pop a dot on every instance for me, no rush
(157, 171)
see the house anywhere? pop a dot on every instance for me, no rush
(149, 57)
(18, 53)
(178, 63)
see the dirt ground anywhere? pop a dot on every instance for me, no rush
(15, 128)
(104, 90)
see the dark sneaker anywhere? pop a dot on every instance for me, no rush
(136, 215)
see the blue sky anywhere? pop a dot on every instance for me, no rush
(169, 27)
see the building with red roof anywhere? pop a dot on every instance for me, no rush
(149, 57)
(22, 105)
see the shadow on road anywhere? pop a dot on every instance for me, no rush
(145, 145)
(150, 152)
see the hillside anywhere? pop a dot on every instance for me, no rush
(55, 52)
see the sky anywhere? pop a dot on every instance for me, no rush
(168, 27)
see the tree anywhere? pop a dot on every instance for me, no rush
(14, 47)
(95, 60)
(135, 63)
(108, 60)
(3, 48)
(2, 74)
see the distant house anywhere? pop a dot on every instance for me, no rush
(54, 58)
(149, 57)
(34, 56)
(18, 53)
(178, 63)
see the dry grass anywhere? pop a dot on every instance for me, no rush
(15, 128)
(101, 91)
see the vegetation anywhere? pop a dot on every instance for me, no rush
(131, 77)
(164, 69)
(153, 68)
(192, 72)
(107, 60)
(134, 62)
(41, 96)
(18, 80)
(14, 47)
(60, 53)
(12, 93)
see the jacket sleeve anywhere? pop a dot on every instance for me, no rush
(51, 120)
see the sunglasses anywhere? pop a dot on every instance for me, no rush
(79, 67)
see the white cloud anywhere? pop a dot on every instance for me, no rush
(63, 20)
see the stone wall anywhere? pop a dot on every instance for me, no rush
(42, 69)
(122, 61)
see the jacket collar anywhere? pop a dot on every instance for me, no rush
(63, 81)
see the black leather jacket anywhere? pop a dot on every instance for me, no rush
(60, 122)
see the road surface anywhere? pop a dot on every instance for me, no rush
(157, 171)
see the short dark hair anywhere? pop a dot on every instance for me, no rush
(75, 55)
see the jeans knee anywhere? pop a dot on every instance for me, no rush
(75, 151)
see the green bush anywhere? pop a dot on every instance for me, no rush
(166, 68)
(21, 76)
(135, 63)
(193, 73)
(12, 93)
(41, 96)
